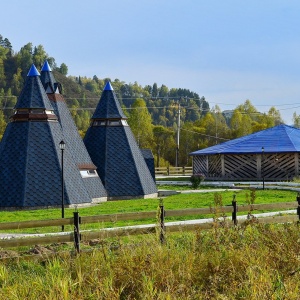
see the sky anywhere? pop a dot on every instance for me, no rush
(225, 50)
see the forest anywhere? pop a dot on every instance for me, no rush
(157, 115)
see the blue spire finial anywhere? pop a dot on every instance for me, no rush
(46, 67)
(33, 71)
(108, 87)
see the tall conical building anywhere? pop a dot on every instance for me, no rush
(30, 157)
(113, 149)
(71, 136)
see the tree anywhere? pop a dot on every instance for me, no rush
(17, 82)
(296, 120)
(164, 141)
(247, 108)
(140, 123)
(275, 114)
(5, 43)
(240, 124)
(154, 90)
(63, 69)
(3, 54)
(2, 124)
(39, 56)
(163, 91)
(24, 59)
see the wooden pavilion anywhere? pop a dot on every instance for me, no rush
(270, 154)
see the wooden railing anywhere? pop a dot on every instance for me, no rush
(76, 236)
(174, 171)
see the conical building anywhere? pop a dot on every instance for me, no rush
(71, 136)
(113, 149)
(30, 156)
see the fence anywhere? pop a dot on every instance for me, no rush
(76, 236)
(176, 171)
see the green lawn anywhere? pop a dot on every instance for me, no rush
(180, 201)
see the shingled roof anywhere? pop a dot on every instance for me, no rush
(33, 94)
(113, 148)
(30, 158)
(71, 136)
(278, 139)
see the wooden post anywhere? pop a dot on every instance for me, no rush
(76, 231)
(234, 218)
(162, 224)
(298, 208)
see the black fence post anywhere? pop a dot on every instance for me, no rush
(76, 231)
(234, 218)
(298, 208)
(162, 224)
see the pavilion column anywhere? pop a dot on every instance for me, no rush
(258, 165)
(207, 166)
(296, 163)
(222, 165)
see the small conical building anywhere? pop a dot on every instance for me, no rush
(71, 136)
(30, 156)
(113, 149)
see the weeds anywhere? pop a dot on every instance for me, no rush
(257, 261)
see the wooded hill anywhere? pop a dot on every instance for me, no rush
(152, 110)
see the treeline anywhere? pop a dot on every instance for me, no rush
(152, 110)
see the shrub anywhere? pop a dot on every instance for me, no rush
(196, 180)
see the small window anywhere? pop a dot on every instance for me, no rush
(99, 123)
(22, 111)
(114, 123)
(49, 112)
(88, 173)
(37, 111)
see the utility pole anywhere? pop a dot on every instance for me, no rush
(178, 136)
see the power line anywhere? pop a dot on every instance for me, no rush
(212, 136)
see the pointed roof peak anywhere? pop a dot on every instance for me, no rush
(33, 71)
(108, 106)
(108, 87)
(33, 94)
(46, 67)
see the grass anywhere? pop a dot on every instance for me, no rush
(250, 262)
(179, 201)
(169, 178)
(253, 262)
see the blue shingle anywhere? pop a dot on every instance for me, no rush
(33, 95)
(30, 159)
(71, 137)
(115, 152)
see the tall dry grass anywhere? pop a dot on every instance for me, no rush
(251, 262)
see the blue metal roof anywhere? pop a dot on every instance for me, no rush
(108, 87)
(278, 139)
(33, 71)
(46, 67)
